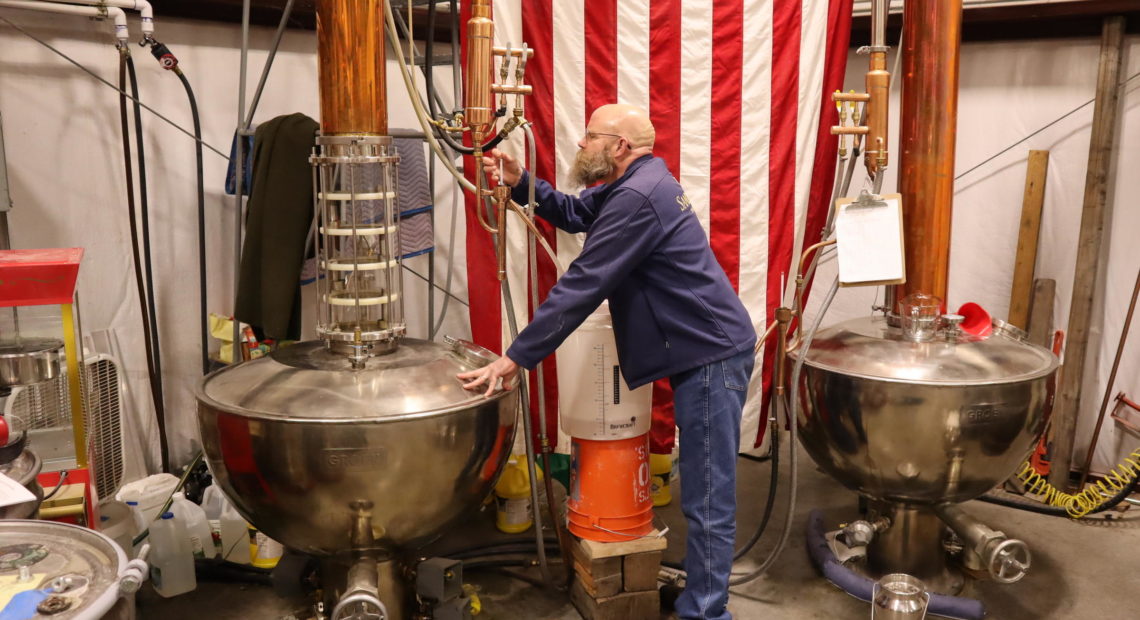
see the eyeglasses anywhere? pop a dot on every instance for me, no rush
(593, 135)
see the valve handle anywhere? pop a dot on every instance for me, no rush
(1009, 561)
(360, 606)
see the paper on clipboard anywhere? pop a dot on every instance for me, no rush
(869, 237)
(12, 492)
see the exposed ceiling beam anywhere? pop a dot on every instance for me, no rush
(1078, 18)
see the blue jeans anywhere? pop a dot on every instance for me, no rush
(708, 401)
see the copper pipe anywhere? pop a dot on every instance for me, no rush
(931, 39)
(801, 284)
(878, 81)
(783, 321)
(502, 195)
(516, 52)
(1123, 400)
(350, 66)
(478, 98)
(768, 332)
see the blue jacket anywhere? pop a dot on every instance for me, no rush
(672, 305)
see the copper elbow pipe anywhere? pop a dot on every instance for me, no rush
(931, 40)
(479, 113)
(350, 65)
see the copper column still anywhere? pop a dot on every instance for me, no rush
(931, 39)
(360, 310)
(350, 57)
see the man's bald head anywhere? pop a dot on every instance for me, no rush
(628, 121)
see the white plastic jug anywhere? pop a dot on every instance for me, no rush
(234, 535)
(212, 503)
(171, 563)
(198, 533)
(150, 493)
(593, 399)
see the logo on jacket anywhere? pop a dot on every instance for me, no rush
(686, 204)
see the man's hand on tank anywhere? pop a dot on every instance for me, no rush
(503, 368)
(511, 171)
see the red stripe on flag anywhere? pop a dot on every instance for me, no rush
(724, 176)
(538, 32)
(600, 20)
(665, 113)
(482, 287)
(781, 166)
(665, 80)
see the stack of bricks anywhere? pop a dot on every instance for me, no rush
(617, 581)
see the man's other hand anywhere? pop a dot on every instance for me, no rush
(490, 374)
(510, 173)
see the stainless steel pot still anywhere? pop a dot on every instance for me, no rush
(943, 420)
(309, 447)
(916, 424)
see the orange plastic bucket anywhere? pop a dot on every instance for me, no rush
(610, 498)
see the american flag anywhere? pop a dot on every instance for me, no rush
(739, 92)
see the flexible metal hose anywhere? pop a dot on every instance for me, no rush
(524, 397)
(532, 255)
(793, 424)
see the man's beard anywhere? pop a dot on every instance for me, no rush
(589, 168)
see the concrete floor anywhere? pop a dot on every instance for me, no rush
(1080, 569)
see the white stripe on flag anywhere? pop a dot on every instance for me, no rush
(813, 33)
(696, 95)
(569, 103)
(756, 120)
(568, 22)
(633, 52)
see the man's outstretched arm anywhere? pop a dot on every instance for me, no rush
(573, 214)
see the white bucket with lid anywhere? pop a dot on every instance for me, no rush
(79, 572)
(594, 401)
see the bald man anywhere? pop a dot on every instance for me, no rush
(675, 315)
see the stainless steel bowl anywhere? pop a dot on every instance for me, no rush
(921, 422)
(297, 439)
(32, 360)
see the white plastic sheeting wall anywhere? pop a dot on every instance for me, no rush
(1007, 91)
(64, 150)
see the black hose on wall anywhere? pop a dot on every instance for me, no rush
(146, 299)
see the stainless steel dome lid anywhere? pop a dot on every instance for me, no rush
(868, 347)
(307, 382)
(81, 568)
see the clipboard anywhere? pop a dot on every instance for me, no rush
(869, 240)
